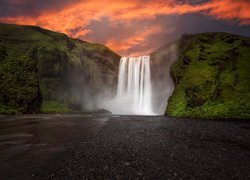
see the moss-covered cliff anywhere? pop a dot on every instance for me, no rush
(41, 70)
(211, 76)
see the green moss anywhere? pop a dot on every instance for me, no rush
(54, 107)
(177, 106)
(211, 77)
(19, 87)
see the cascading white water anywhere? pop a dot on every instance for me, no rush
(134, 91)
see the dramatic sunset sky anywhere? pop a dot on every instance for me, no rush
(130, 27)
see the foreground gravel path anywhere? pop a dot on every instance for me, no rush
(134, 147)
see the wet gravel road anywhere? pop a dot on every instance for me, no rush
(122, 147)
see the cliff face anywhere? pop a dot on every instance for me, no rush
(162, 83)
(41, 70)
(211, 77)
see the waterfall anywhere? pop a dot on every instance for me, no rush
(144, 85)
(134, 91)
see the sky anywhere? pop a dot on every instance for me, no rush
(130, 27)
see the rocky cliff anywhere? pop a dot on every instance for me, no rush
(211, 77)
(44, 71)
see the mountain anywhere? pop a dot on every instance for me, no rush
(211, 76)
(45, 71)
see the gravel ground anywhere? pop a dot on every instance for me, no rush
(123, 147)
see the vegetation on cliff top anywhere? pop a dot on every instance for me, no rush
(211, 77)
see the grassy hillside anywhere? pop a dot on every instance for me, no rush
(44, 70)
(211, 76)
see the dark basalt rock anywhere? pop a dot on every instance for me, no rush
(102, 111)
(186, 60)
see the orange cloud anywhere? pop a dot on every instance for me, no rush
(230, 9)
(74, 19)
(138, 38)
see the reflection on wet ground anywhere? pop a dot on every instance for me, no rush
(33, 139)
(33, 131)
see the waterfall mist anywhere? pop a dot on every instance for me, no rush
(162, 83)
